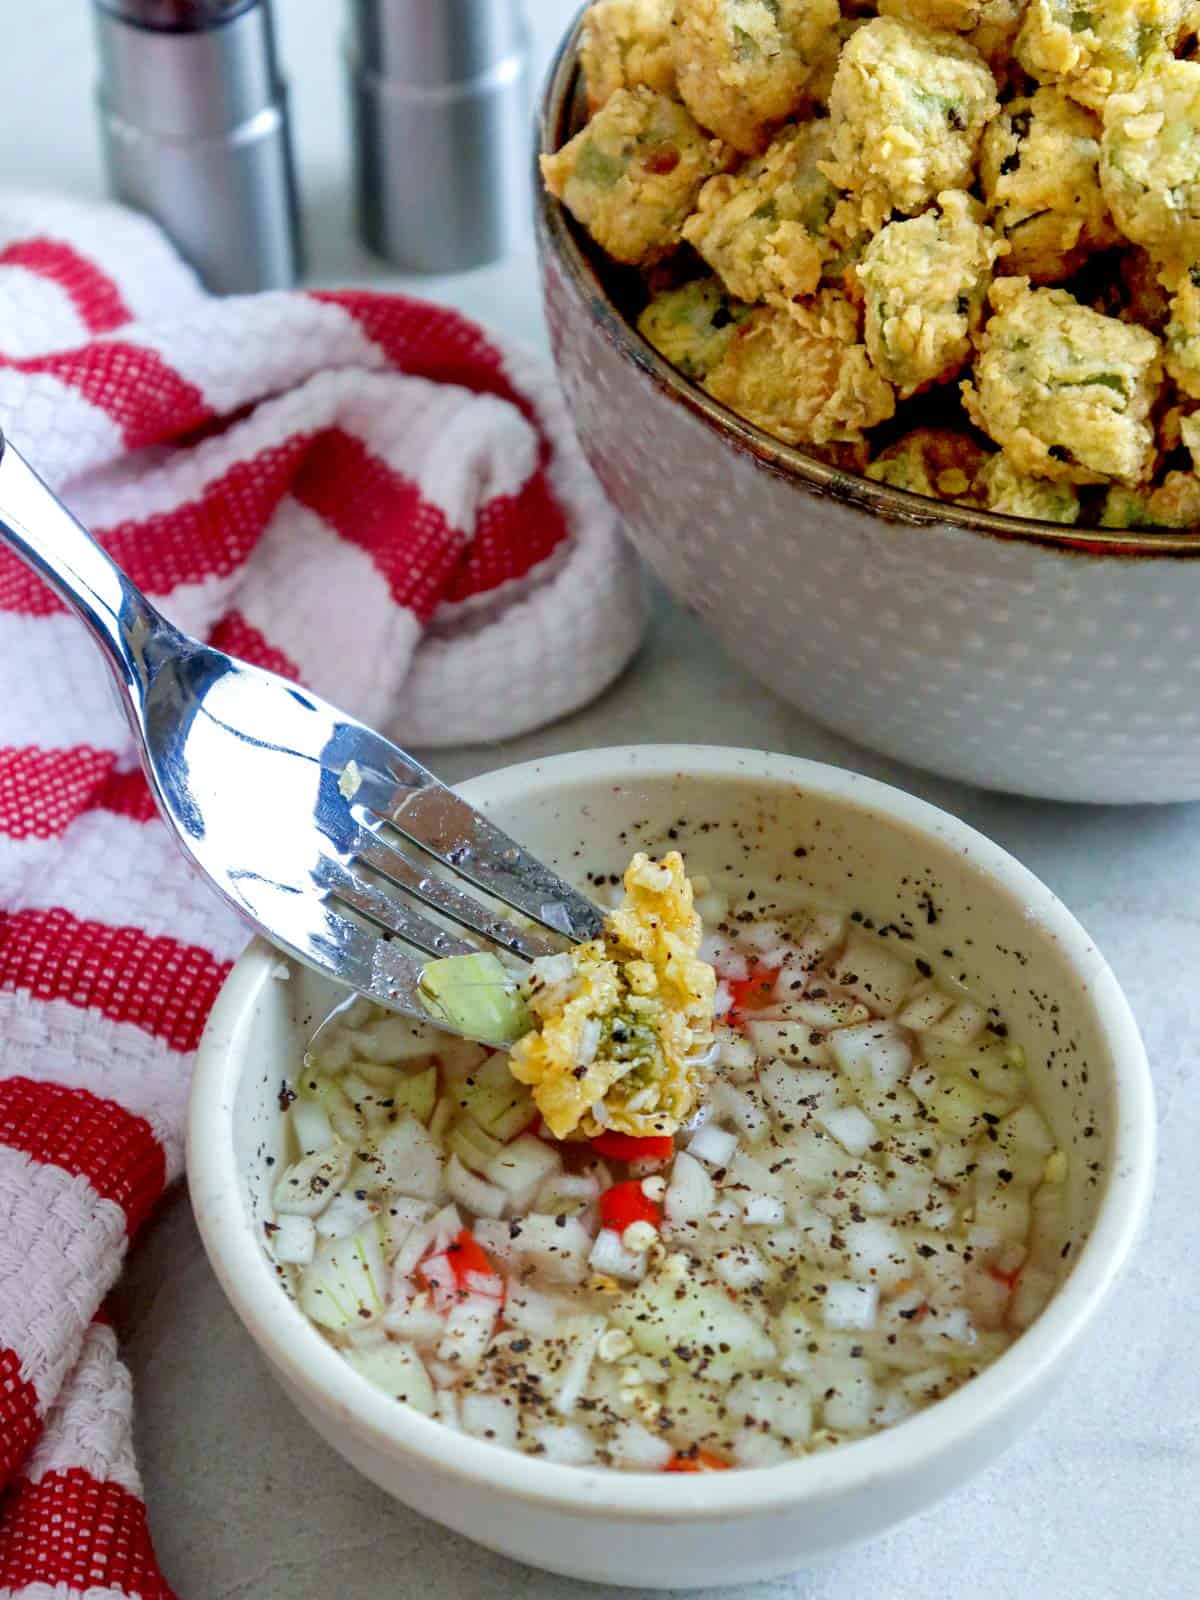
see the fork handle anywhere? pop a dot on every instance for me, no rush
(36, 525)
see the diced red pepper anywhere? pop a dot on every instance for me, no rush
(663, 161)
(696, 1460)
(625, 1147)
(462, 1268)
(625, 1203)
(755, 992)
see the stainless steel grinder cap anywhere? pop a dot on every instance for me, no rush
(440, 105)
(194, 121)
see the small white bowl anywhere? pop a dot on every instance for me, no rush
(838, 836)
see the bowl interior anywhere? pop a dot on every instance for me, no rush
(804, 832)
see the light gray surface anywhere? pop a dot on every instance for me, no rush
(1098, 1501)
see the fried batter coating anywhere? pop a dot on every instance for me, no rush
(1150, 160)
(939, 462)
(621, 1043)
(1183, 335)
(1065, 392)
(632, 176)
(626, 43)
(1094, 48)
(1002, 488)
(744, 66)
(994, 36)
(765, 229)
(908, 108)
(692, 325)
(955, 16)
(1174, 504)
(800, 373)
(1039, 168)
(821, 82)
(926, 282)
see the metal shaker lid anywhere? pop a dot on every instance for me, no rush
(440, 115)
(431, 43)
(177, 16)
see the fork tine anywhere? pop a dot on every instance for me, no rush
(389, 913)
(390, 861)
(443, 825)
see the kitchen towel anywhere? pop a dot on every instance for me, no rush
(362, 491)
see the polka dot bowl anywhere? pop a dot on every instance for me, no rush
(1018, 655)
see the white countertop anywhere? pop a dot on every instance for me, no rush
(1098, 1502)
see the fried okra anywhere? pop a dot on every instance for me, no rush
(692, 325)
(765, 229)
(1065, 392)
(939, 462)
(1175, 503)
(1000, 487)
(925, 283)
(744, 66)
(994, 36)
(1094, 48)
(908, 108)
(1183, 335)
(626, 43)
(1150, 160)
(821, 82)
(632, 176)
(800, 373)
(955, 16)
(1039, 167)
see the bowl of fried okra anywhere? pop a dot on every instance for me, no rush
(881, 329)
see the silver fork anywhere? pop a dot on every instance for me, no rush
(327, 838)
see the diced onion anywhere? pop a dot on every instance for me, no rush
(753, 1448)
(783, 1407)
(741, 1267)
(586, 1335)
(852, 1128)
(474, 1193)
(849, 1407)
(565, 1444)
(468, 1332)
(530, 1311)
(632, 1445)
(849, 1305)
(345, 1214)
(559, 1252)
(398, 1370)
(308, 1186)
(713, 1145)
(763, 1210)
(491, 1417)
(690, 1194)
(872, 1052)
(521, 1168)
(610, 1255)
(294, 1240)
(312, 1127)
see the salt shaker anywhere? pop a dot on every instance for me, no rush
(439, 93)
(194, 121)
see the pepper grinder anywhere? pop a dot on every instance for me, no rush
(439, 94)
(194, 120)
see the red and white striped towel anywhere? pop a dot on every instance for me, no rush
(362, 491)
